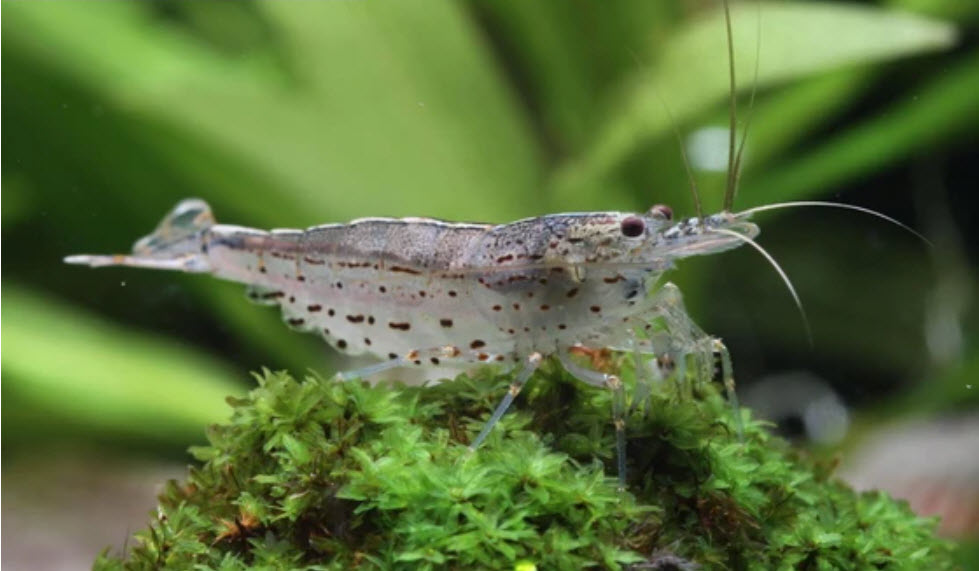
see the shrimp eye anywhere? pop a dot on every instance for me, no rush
(633, 227)
(661, 211)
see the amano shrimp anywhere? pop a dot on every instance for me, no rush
(417, 292)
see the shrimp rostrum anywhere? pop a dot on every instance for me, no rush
(417, 292)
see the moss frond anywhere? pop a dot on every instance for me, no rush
(319, 474)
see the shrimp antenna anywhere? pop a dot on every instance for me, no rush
(729, 199)
(841, 206)
(697, 204)
(781, 273)
(733, 113)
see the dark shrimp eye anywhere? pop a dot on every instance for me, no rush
(661, 211)
(633, 227)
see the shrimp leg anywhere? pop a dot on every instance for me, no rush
(682, 340)
(612, 382)
(533, 361)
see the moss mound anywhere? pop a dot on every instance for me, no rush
(326, 475)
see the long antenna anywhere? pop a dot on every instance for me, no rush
(840, 205)
(781, 274)
(751, 108)
(733, 119)
(697, 204)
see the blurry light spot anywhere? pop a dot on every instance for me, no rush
(804, 400)
(945, 308)
(826, 419)
(707, 149)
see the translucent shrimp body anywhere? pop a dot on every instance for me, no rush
(478, 293)
(428, 293)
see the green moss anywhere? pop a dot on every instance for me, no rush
(326, 475)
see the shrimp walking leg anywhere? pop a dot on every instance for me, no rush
(689, 341)
(727, 374)
(686, 340)
(612, 382)
(369, 370)
(682, 343)
(644, 384)
(533, 361)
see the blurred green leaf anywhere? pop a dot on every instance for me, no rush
(93, 373)
(956, 10)
(776, 122)
(564, 78)
(692, 72)
(345, 112)
(787, 116)
(16, 199)
(374, 84)
(945, 109)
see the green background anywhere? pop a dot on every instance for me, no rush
(284, 114)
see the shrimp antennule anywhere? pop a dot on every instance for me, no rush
(781, 273)
(840, 205)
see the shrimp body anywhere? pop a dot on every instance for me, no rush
(428, 293)
(433, 292)
(417, 292)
